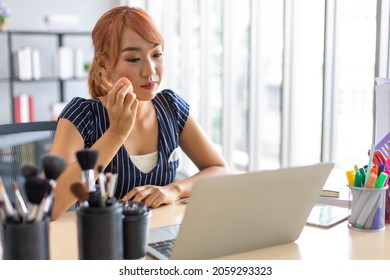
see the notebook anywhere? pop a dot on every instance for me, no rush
(242, 212)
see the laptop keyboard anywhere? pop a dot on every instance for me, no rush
(164, 247)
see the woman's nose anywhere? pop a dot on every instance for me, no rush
(148, 69)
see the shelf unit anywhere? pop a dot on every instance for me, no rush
(12, 79)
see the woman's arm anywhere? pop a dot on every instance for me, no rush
(122, 108)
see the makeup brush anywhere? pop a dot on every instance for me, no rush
(3, 215)
(29, 170)
(19, 202)
(41, 208)
(87, 159)
(8, 208)
(53, 166)
(80, 191)
(102, 184)
(36, 188)
(111, 188)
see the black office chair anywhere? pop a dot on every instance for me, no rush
(20, 144)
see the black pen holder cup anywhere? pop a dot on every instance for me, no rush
(99, 233)
(136, 218)
(367, 209)
(26, 241)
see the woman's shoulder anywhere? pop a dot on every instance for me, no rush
(168, 93)
(81, 101)
(173, 98)
(78, 106)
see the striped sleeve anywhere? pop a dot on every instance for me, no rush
(78, 111)
(181, 107)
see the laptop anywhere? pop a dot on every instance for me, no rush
(237, 213)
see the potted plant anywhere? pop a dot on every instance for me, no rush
(4, 14)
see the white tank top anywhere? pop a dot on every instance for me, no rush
(145, 163)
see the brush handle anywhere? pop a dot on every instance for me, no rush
(88, 177)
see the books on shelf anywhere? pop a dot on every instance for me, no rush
(79, 71)
(69, 63)
(36, 64)
(27, 64)
(24, 108)
(64, 63)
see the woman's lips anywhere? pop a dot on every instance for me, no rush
(149, 86)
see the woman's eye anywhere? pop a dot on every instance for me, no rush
(133, 59)
(157, 55)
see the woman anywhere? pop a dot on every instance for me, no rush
(136, 130)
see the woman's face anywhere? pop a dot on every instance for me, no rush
(141, 62)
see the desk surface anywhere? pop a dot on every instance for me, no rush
(314, 243)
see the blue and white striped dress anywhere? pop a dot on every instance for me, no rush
(91, 119)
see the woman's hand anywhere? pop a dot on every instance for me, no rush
(122, 107)
(153, 196)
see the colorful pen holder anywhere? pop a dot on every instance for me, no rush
(367, 209)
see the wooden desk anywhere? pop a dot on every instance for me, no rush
(338, 242)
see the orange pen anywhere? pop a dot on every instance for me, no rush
(374, 170)
(371, 180)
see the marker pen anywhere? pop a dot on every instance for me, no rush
(356, 168)
(372, 151)
(351, 177)
(371, 180)
(358, 180)
(363, 172)
(381, 168)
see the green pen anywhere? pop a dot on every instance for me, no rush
(381, 180)
(358, 180)
(363, 172)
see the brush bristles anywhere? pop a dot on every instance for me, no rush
(87, 158)
(29, 171)
(53, 166)
(80, 191)
(36, 188)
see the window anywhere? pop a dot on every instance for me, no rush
(275, 83)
